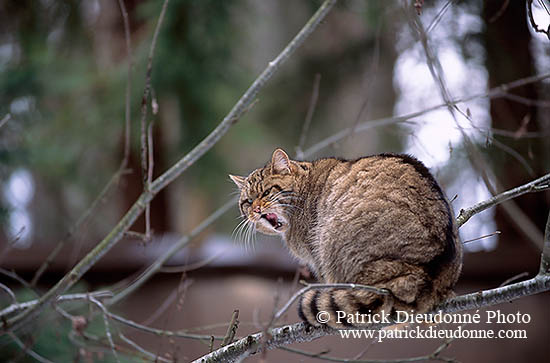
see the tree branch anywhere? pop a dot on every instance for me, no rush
(545, 258)
(327, 286)
(496, 92)
(301, 332)
(236, 112)
(533, 186)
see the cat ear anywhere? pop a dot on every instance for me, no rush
(239, 180)
(280, 163)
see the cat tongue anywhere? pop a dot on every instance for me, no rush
(271, 218)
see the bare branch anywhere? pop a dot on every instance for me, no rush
(321, 356)
(533, 186)
(500, 11)
(150, 167)
(144, 99)
(107, 328)
(328, 286)
(481, 237)
(158, 332)
(499, 91)
(81, 220)
(127, 114)
(309, 115)
(123, 165)
(192, 266)
(27, 350)
(231, 329)
(439, 16)
(236, 112)
(545, 258)
(63, 298)
(157, 265)
(153, 357)
(9, 292)
(4, 120)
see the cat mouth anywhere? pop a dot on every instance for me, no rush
(273, 219)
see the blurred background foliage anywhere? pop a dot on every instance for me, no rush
(63, 74)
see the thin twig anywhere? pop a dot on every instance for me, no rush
(302, 291)
(150, 168)
(6, 250)
(145, 98)
(159, 332)
(4, 120)
(19, 279)
(496, 92)
(481, 237)
(27, 350)
(270, 324)
(153, 357)
(107, 328)
(309, 115)
(231, 329)
(323, 356)
(526, 101)
(545, 258)
(500, 11)
(162, 308)
(211, 345)
(465, 214)
(63, 298)
(123, 165)
(81, 220)
(127, 113)
(373, 73)
(439, 16)
(159, 262)
(236, 112)
(192, 266)
(9, 292)
(514, 278)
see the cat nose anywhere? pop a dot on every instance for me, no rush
(257, 209)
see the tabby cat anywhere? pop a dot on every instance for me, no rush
(379, 220)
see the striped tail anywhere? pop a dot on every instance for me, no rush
(343, 308)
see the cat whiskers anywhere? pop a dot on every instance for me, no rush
(245, 232)
(250, 235)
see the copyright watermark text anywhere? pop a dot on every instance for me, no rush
(426, 331)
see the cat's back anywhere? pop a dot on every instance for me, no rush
(388, 204)
(384, 177)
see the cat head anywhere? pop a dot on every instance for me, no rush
(268, 196)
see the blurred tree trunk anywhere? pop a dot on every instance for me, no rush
(509, 57)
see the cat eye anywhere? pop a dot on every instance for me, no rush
(249, 201)
(266, 193)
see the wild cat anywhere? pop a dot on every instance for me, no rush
(379, 220)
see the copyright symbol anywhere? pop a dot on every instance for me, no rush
(322, 317)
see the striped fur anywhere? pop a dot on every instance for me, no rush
(379, 220)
